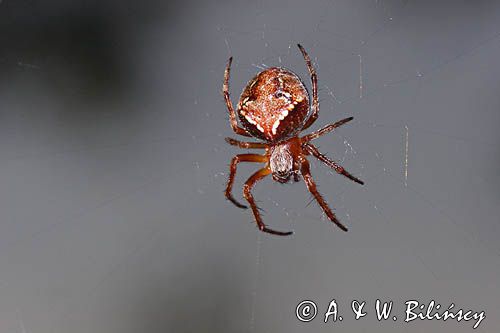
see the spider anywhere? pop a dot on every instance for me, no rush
(274, 107)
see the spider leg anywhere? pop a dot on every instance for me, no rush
(246, 145)
(338, 168)
(232, 172)
(225, 92)
(296, 171)
(316, 134)
(314, 81)
(311, 186)
(259, 175)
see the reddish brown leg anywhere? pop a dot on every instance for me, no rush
(247, 188)
(324, 130)
(232, 172)
(246, 145)
(314, 81)
(225, 92)
(296, 170)
(311, 186)
(338, 168)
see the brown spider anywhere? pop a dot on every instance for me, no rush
(274, 107)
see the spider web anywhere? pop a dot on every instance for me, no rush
(115, 221)
(364, 92)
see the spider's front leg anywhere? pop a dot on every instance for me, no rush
(232, 172)
(311, 186)
(332, 164)
(247, 193)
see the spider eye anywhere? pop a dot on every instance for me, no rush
(279, 94)
(281, 177)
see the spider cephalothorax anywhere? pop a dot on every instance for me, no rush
(274, 107)
(281, 162)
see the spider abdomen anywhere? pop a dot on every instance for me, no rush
(274, 105)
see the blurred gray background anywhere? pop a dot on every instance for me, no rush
(113, 164)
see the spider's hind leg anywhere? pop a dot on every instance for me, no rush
(246, 145)
(328, 128)
(314, 83)
(225, 91)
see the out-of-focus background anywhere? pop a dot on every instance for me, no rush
(113, 164)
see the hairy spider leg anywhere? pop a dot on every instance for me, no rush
(232, 172)
(311, 186)
(229, 104)
(332, 164)
(296, 168)
(247, 188)
(328, 128)
(314, 82)
(247, 145)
